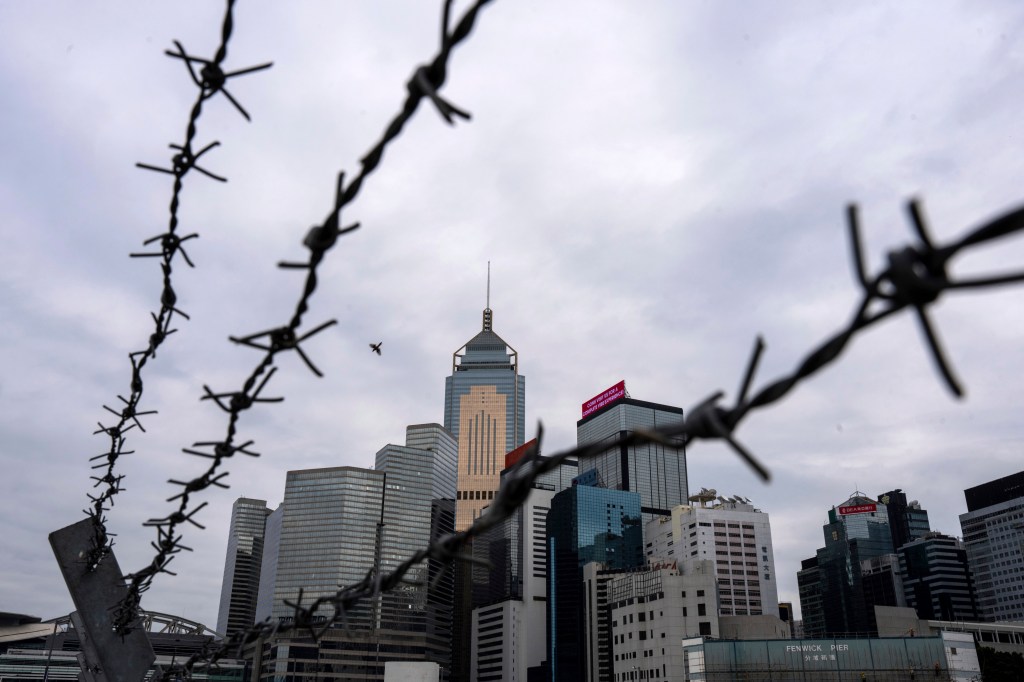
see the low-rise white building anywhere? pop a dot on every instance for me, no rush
(653, 610)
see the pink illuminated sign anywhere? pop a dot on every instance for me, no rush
(606, 397)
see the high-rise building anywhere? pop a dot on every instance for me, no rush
(240, 587)
(586, 524)
(268, 569)
(485, 410)
(329, 536)
(338, 524)
(508, 625)
(733, 534)
(936, 580)
(857, 531)
(419, 493)
(993, 529)
(907, 521)
(808, 580)
(654, 470)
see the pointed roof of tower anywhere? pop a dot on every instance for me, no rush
(487, 344)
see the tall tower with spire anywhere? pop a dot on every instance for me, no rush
(484, 408)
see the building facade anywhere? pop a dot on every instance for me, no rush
(655, 471)
(241, 583)
(808, 580)
(653, 610)
(947, 657)
(734, 535)
(336, 525)
(857, 532)
(993, 532)
(936, 579)
(907, 521)
(586, 524)
(509, 616)
(485, 411)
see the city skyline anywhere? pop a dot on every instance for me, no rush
(650, 201)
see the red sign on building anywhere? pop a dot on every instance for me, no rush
(605, 397)
(858, 509)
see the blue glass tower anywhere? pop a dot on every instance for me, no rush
(585, 524)
(484, 408)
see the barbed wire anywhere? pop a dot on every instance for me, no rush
(211, 80)
(915, 277)
(425, 82)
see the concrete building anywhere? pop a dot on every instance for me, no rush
(993, 531)
(240, 586)
(734, 535)
(655, 471)
(653, 610)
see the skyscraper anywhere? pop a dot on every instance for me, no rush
(418, 509)
(857, 533)
(240, 586)
(993, 529)
(485, 410)
(335, 526)
(656, 471)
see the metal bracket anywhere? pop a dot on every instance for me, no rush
(108, 656)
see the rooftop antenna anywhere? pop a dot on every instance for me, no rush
(487, 310)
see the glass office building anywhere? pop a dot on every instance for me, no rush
(585, 524)
(419, 495)
(857, 533)
(656, 471)
(242, 565)
(338, 524)
(329, 535)
(907, 521)
(240, 586)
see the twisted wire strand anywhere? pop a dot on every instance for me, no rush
(915, 277)
(425, 82)
(210, 81)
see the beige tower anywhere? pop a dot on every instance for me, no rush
(484, 410)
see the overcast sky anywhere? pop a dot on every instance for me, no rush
(654, 183)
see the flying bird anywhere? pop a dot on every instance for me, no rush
(375, 347)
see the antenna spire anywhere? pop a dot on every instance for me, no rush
(487, 310)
